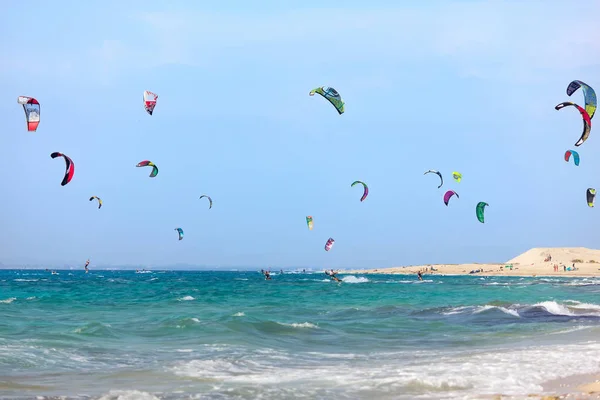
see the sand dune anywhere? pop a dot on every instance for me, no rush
(537, 261)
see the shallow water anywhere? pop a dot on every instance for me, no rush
(218, 335)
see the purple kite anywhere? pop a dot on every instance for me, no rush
(449, 194)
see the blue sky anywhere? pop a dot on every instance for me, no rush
(465, 86)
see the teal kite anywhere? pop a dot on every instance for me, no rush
(573, 153)
(479, 210)
(180, 231)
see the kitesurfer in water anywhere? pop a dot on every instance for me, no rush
(267, 274)
(420, 275)
(331, 274)
(86, 265)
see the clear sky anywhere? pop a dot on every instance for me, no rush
(465, 86)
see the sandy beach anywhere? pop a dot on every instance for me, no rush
(539, 261)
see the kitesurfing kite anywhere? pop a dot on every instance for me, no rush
(591, 196)
(588, 93)
(329, 244)
(147, 163)
(309, 222)
(449, 194)
(180, 231)
(32, 112)
(457, 176)
(587, 122)
(331, 95)
(149, 101)
(69, 169)
(209, 201)
(573, 153)
(479, 210)
(97, 198)
(432, 171)
(365, 191)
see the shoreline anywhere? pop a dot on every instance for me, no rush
(484, 270)
(540, 261)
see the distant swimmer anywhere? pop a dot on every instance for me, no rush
(420, 275)
(332, 274)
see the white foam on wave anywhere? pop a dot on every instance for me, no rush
(128, 395)
(582, 306)
(239, 314)
(569, 308)
(582, 282)
(186, 298)
(25, 280)
(440, 374)
(299, 325)
(8, 301)
(354, 279)
(574, 309)
(505, 310)
(480, 309)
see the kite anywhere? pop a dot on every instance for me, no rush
(591, 196)
(97, 198)
(432, 171)
(209, 201)
(309, 222)
(573, 153)
(32, 112)
(479, 210)
(449, 194)
(588, 93)
(587, 122)
(180, 231)
(329, 244)
(69, 169)
(331, 95)
(149, 101)
(366, 189)
(147, 163)
(457, 176)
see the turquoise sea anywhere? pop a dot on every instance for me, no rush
(233, 335)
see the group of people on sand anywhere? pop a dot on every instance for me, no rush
(564, 267)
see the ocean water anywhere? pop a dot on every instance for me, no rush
(233, 335)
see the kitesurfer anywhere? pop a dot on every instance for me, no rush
(420, 275)
(331, 274)
(86, 265)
